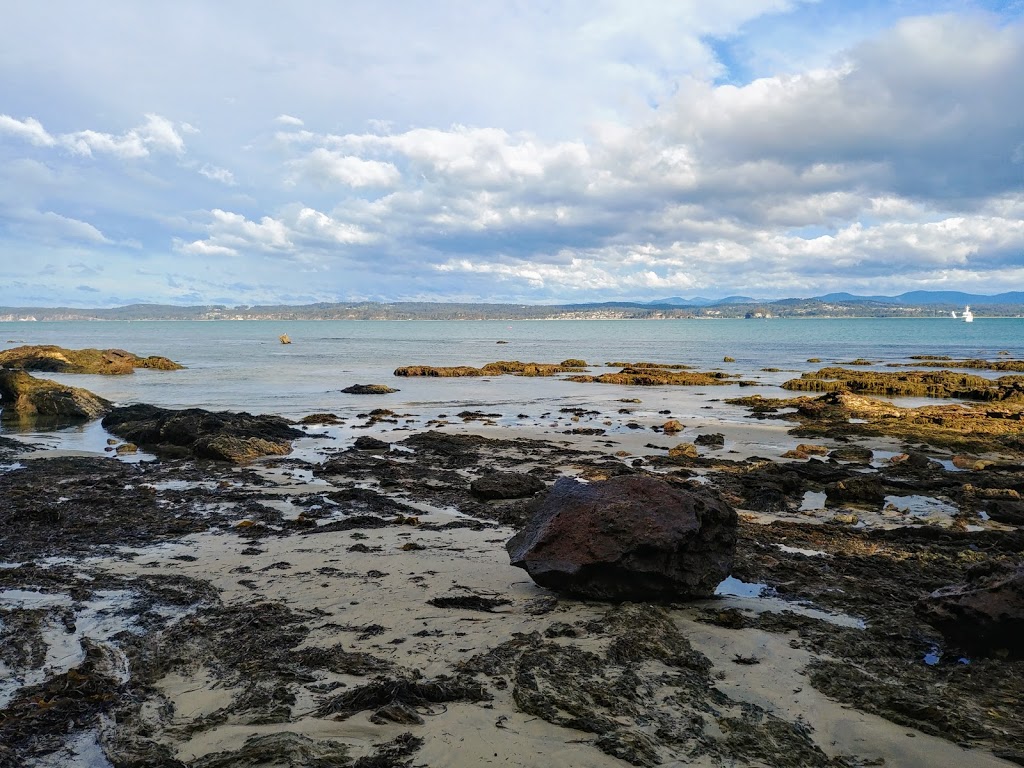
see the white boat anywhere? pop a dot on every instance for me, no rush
(953, 314)
(968, 315)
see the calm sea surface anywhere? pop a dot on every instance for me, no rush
(243, 366)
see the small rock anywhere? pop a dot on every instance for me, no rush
(684, 450)
(713, 440)
(369, 389)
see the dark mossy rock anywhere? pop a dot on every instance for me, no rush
(54, 359)
(369, 389)
(221, 435)
(714, 440)
(506, 485)
(367, 443)
(627, 538)
(983, 616)
(1009, 511)
(22, 395)
(856, 490)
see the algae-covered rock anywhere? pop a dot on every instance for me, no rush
(54, 359)
(627, 538)
(282, 750)
(641, 375)
(223, 436)
(498, 368)
(910, 384)
(23, 395)
(854, 454)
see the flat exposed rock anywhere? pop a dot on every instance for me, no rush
(369, 389)
(23, 395)
(984, 616)
(224, 436)
(506, 485)
(54, 359)
(854, 454)
(627, 538)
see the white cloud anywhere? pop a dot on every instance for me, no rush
(323, 166)
(203, 248)
(156, 134)
(30, 130)
(223, 175)
(288, 120)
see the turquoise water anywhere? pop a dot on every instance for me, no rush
(242, 365)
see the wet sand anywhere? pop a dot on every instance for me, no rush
(288, 585)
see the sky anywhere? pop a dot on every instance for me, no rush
(524, 151)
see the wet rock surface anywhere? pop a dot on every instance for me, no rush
(54, 359)
(626, 538)
(506, 485)
(983, 616)
(635, 682)
(223, 436)
(24, 396)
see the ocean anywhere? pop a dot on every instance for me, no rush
(241, 365)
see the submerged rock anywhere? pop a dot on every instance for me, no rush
(24, 395)
(54, 359)
(627, 538)
(984, 616)
(506, 485)
(234, 437)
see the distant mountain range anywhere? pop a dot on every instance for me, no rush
(912, 304)
(911, 298)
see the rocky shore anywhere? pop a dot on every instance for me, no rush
(244, 590)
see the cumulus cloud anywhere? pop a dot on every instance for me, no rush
(897, 158)
(324, 166)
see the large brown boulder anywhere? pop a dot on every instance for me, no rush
(235, 437)
(23, 395)
(984, 616)
(54, 359)
(627, 538)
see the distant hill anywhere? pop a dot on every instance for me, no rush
(926, 298)
(700, 301)
(911, 304)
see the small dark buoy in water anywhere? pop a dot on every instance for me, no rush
(284, 338)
